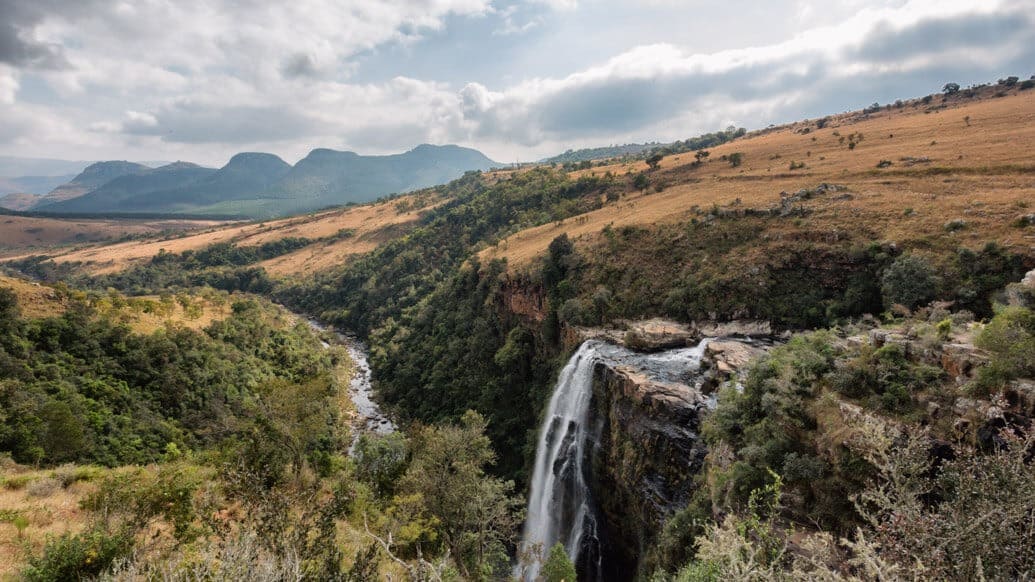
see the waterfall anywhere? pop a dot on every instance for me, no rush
(559, 505)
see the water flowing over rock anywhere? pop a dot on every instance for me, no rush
(616, 453)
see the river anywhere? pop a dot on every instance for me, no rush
(369, 417)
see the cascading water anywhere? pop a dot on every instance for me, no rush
(560, 505)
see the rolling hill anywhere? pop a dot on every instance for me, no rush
(17, 201)
(33, 185)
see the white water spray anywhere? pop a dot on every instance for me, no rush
(560, 504)
(559, 508)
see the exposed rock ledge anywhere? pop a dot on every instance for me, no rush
(649, 447)
(648, 453)
(654, 335)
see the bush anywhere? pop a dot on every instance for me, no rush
(76, 557)
(43, 487)
(381, 461)
(909, 282)
(557, 567)
(1010, 340)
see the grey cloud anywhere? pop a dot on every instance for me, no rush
(298, 65)
(801, 83)
(194, 123)
(943, 34)
(18, 20)
(19, 51)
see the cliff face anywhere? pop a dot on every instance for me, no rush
(648, 452)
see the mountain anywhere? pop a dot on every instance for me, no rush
(125, 193)
(599, 153)
(94, 176)
(17, 201)
(242, 177)
(327, 177)
(260, 185)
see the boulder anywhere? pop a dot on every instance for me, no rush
(659, 334)
(730, 356)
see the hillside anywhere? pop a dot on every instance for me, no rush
(91, 178)
(18, 201)
(332, 236)
(965, 161)
(21, 235)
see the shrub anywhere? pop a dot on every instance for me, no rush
(381, 461)
(1010, 340)
(909, 281)
(557, 567)
(76, 557)
(43, 487)
(16, 482)
(641, 182)
(955, 225)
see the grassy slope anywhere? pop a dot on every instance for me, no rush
(980, 171)
(37, 301)
(372, 224)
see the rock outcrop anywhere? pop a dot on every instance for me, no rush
(649, 448)
(648, 453)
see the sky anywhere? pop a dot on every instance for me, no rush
(200, 80)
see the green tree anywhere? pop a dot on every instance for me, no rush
(557, 567)
(641, 182)
(654, 161)
(478, 514)
(381, 461)
(64, 438)
(736, 158)
(909, 282)
(951, 88)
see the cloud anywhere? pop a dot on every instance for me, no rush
(8, 86)
(200, 79)
(193, 122)
(659, 89)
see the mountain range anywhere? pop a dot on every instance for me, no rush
(258, 185)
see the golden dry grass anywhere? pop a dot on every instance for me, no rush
(980, 170)
(23, 235)
(34, 299)
(371, 223)
(48, 515)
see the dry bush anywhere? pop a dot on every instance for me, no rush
(43, 487)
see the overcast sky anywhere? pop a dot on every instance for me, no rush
(519, 79)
